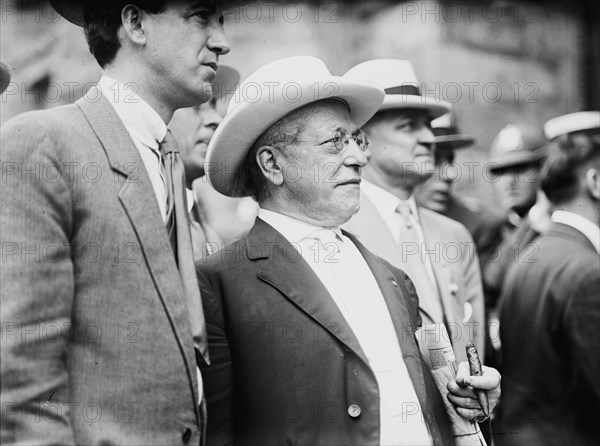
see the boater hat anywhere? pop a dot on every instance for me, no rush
(399, 81)
(572, 122)
(271, 93)
(447, 136)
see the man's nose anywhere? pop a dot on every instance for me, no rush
(448, 172)
(426, 137)
(212, 118)
(354, 155)
(217, 42)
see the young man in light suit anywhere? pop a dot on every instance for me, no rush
(437, 253)
(311, 335)
(99, 298)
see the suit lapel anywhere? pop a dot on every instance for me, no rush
(138, 200)
(285, 269)
(396, 302)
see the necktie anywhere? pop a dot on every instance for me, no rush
(414, 251)
(178, 227)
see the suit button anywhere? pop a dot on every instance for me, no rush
(393, 281)
(187, 435)
(354, 410)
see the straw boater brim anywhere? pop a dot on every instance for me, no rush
(572, 122)
(400, 84)
(268, 95)
(4, 77)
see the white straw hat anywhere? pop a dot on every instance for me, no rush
(398, 79)
(268, 95)
(572, 122)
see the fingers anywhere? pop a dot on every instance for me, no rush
(490, 379)
(470, 414)
(464, 402)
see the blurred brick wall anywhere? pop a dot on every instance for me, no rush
(501, 63)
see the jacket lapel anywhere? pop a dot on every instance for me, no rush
(404, 325)
(286, 270)
(138, 200)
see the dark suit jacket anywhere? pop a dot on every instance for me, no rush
(549, 319)
(483, 225)
(286, 367)
(97, 346)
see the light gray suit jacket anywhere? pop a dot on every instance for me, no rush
(455, 265)
(96, 340)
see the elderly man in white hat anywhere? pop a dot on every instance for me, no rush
(311, 335)
(436, 252)
(550, 310)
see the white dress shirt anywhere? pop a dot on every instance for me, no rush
(337, 262)
(582, 224)
(147, 130)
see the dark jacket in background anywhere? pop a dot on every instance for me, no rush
(549, 319)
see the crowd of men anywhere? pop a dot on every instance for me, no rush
(259, 270)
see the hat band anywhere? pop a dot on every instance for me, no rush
(409, 90)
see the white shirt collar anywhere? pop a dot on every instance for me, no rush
(292, 229)
(385, 202)
(582, 224)
(142, 122)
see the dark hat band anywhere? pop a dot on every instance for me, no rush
(409, 90)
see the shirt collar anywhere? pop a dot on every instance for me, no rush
(385, 202)
(142, 122)
(292, 229)
(582, 224)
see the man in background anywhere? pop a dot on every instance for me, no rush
(517, 154)
(99, 297)
(437, 193)
(550, 307)
(216, 220)
(437, 253)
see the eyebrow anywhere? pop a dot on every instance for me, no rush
(209, 4)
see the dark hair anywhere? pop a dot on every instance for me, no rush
(102, 22)
(566, 157)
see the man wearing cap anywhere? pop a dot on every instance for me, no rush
(99, 295)
(315, 335)
(437, 192)
(550, 309)
(436, 252)
(517, 154)
(216, 220)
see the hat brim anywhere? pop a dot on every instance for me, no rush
(70, 10)
(436, 108)
(514, 159)
(243, 125)
(453, 142)
(4, 77)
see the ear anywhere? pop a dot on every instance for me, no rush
(592, 182)
(131, 18)
(267, 158)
